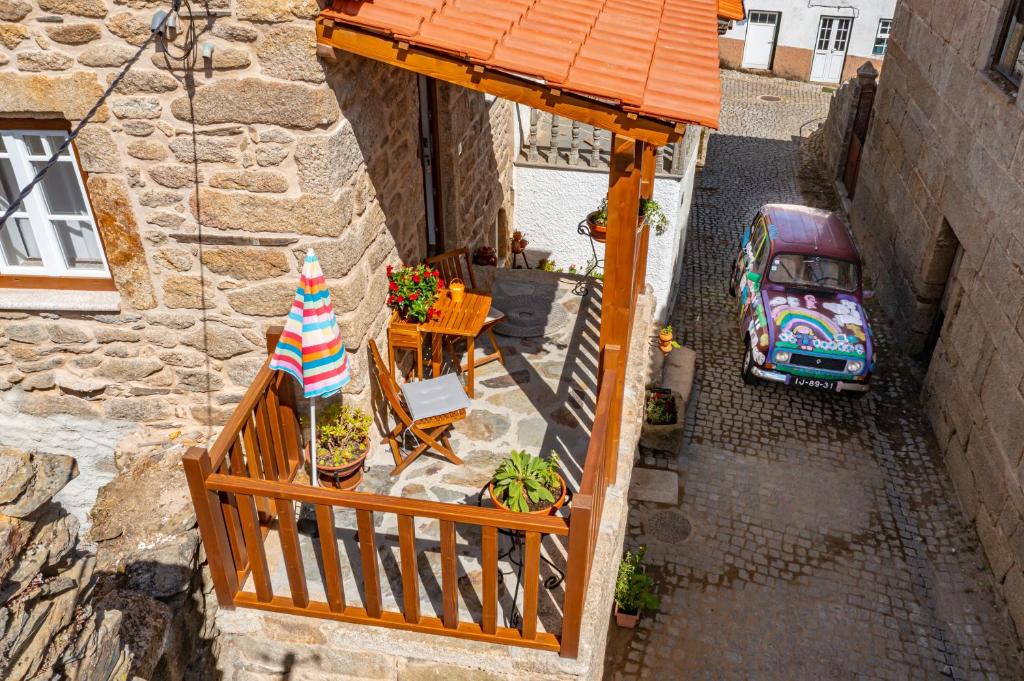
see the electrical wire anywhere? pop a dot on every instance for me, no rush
(27, 189)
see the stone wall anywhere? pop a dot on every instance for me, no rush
(938, 209)
(477, 150)
(291, 151)
(835, 134)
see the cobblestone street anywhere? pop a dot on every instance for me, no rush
(816, 536)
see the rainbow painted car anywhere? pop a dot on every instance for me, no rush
(798, 279)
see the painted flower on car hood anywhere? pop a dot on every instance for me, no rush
(827, 325)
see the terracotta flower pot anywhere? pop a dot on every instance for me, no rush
(346, 477)
(541, 511)
(626, 620)
(598, 232)
(665, 341)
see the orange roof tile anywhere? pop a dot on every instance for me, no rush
(654, 58)
(731, 9)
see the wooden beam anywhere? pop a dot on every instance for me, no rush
(648, 167)
(535, 94)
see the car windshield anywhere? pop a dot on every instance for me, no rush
(792, 269)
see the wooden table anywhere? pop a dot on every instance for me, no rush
(465, 319)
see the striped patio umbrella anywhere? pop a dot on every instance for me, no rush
(310, 347)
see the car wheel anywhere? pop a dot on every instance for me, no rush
(747, 370)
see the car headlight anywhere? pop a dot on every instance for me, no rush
(783, 357)
(854, 367)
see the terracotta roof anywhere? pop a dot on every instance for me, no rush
(655, 58)
(731, 9)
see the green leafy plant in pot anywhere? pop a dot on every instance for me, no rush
(524, 483)
(634, 589)
(342, 443)
(650, 212)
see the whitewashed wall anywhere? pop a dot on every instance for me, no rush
(799, 23)
(550, 202)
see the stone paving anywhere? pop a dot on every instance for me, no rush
(816, 536)
(541, 400)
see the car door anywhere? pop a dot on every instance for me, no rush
(752, 259)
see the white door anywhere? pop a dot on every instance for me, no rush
(830, 49)
(760, 41)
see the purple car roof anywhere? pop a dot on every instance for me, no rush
(799, 229)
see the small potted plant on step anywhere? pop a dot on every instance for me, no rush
(524, 483)
(342, 443)
(662, 428)
(666, 342)
(634, 589)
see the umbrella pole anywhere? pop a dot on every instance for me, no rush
(312, 439)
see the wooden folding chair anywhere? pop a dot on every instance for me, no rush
(432, 432)
(457, 265)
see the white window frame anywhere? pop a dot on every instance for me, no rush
(34, 208)
(879, 35)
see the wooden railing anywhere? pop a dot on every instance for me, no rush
(242, 487)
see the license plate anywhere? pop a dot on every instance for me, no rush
(814, 383)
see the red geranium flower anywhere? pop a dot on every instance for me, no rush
(414, 295)
(393, 286)
(440, 283)
(416, 278)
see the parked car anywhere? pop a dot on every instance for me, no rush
(798, 278)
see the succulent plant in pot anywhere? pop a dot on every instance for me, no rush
(524, 483)
(634, 589)
(342, 443)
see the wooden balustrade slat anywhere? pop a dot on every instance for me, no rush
(289, 425)
(241, 414)
(264, 443)
(449, 576)
(254, 545)
(487, 517)
(410, 577)
(531, 582)
(334, 583)
(368, 554)
(489, 562)
(237, 458)
(233, 525)
(254, 462)
(289, 535)
(272, 414)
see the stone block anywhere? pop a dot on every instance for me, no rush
(263, 300)
(205, 149)
(136, 409)
(218, 341)
(39, 60)
(14, 10)
(69, 95)
(51, 404)
(118, 369)
(107, 54)
(246, 263)
(188, 291)
(312, 214)
(11, 35)
(258, 181)
(199, 380)
(136, 107)
(29, 332)
(115, 218)
(74, 34)
(82, 8)
(654, 485)
(289, 52)
(65, 334)
(131, 27)
(97, 150)
(51, 472)
(253, 100)
(173, 175)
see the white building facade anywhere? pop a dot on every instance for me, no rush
(823, 41)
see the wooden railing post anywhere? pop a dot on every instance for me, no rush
(613, 358)
(273, 335)
(212, 529)
(577, 573)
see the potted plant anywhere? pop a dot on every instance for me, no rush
(485, 256)
(662, 428)
(412, 292)
(342, 443)
(665, 339)
(650, 211)
(519, 242)
(634, 589)
(523, 483)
